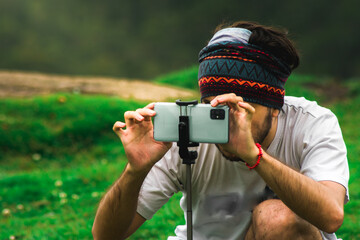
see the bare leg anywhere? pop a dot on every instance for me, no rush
(272, 219)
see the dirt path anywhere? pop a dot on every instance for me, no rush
(22, 84)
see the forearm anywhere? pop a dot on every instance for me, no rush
(311, 200)
(118, 207)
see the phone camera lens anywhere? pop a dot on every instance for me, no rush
(217, 114)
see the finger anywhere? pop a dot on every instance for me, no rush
(141, 114)
(150, 106)
(147, 113)
(229, 99)
(132, 117)
(226, 98)
(118, 126)
(250, 109)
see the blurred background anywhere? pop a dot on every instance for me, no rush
(142, 39)
(68, 71)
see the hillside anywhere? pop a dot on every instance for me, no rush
(23, 84)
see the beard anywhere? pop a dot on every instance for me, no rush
(258, 136)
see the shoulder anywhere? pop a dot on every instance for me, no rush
(302, 122)
(298, 111)
(309, 123)
(293, 105)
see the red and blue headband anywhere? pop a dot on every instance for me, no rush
(229, 64)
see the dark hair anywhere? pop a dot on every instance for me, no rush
(271, 39)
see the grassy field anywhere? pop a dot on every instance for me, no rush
(59, 156)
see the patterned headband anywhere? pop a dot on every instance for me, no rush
(229, 64)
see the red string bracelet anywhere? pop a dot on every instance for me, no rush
(259, 157)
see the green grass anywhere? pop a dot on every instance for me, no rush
(59, 128)
(59, 156)
(349, 117)
(61, 203)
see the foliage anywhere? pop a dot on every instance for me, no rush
(59, 156)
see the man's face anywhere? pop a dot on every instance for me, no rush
(260, 126)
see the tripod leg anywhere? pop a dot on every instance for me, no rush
(189, 203)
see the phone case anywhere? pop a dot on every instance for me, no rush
(166, 122)
(205, 127)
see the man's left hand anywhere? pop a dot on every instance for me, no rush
(241, 143)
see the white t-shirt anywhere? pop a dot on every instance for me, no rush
(308, 138)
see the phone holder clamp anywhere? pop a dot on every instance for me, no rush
(184, 134)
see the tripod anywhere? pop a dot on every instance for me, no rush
(188, 158)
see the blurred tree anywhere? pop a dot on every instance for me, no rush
(142, 39)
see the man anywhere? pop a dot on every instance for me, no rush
(291, 145)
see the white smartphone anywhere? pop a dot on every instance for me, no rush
(207, 124)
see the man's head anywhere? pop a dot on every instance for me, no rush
(254, 62)
(250, 60)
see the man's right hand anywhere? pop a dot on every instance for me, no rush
(116, 217)
(141, 149)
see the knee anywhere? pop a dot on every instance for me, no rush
(272, 219)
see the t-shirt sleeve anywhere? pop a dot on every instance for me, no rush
(160, 184)
(324, 157)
